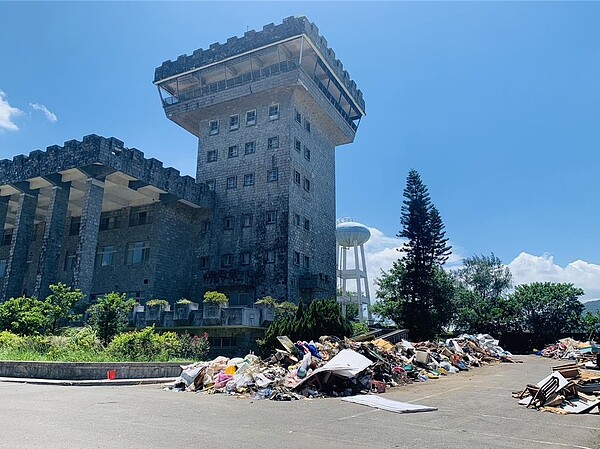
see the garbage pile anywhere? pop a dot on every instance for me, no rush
(567, 390)
(338, 368)
(568, 348)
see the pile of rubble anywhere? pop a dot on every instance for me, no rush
(568, 348)
(568, 389)
(334, 367)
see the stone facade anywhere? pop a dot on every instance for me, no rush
(269, 110)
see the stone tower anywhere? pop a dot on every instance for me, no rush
(268, 109)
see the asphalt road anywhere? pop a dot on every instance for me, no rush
(476, 410)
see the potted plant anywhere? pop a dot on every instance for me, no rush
(155, 309)
(213, 305)
(183, 308)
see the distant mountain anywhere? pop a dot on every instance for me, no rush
(592, 306)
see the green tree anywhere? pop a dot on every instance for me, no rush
(480, 301)
(549, 309)
(24, 316)
(320, 317)
(60, 305)
(109, 316)
(591, 324)
(416, 293)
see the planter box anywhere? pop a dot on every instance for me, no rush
(212, 314)
(154, 314)
(183, 312)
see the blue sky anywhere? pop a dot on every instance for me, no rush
(495, 104)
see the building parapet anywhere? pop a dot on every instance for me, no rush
(110, 152)
(270, 34)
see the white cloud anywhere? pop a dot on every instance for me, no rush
(381, 251)
(49, 115)
(8, 114)
(527, 268)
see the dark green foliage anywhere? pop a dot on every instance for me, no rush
(60, 305)
(480, 301)
(109, 316)
(416, 293)
(549, 309)
(321, 317)
(24, 316)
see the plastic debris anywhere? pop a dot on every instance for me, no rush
(338, 368)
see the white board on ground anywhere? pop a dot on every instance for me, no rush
(388, 404)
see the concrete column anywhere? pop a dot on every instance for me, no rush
(83, 273)
(16, 266)
(54, 234)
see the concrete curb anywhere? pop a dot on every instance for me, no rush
(89, 383)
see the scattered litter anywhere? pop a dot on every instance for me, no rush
(388, 404)
(568, 348)
(338, 368)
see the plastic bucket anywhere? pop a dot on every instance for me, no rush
(111, 374)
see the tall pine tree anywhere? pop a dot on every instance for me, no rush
(417, 293)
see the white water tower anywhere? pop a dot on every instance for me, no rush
(351, 236)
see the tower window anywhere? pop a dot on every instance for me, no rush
(307, 153)
(307, 125)
(249, 179)
(206, 225)
(297, 145)
(210, 185)
(232, 182)
(307, 224)
(273, 142)
(298, 116)
(227, 260)
(213, 127)
(297, 177)
(297, 219)
(234, 122)
(211, 156)
(249, 148)
(251, 117)
(246, 220)
(272, 175)
(204, 262)
(232, 151)
(270, 256)
(245, 258)
(306, 262)
(296, 258)
(307, 184)
(271, 217)
(228, 223)
(274, 112)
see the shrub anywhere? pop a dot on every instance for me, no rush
(194, 347)
(216, 298)
(144, 346)
(157, 303)
(184, 301)
(24, 316)
(10, 341)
